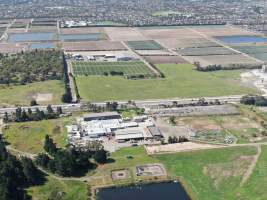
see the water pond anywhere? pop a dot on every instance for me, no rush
(155, 191)
(28, 37)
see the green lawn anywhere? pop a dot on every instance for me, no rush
(29, 136)
(99, 68)
(181, 81)
(23, 94)
(71, 190)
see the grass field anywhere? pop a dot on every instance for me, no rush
(71, 190)
(144, 45)
(23, 94)
(181, 81)
(29, 136)
(211, 174)
(99, 68)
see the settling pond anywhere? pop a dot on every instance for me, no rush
(241, 39)
(155, 191)
(30, 37)
(46, 45)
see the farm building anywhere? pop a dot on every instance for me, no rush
(101, 116)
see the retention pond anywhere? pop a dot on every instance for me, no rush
(155, 191)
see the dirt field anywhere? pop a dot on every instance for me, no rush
(221, 31)
(169, 33)
(165, 59)
(153, 52)
(221, 59)
(81, 30)
(10, 48)
(174, 43)
(43, 97)
(93, 46)
(179, 147)
(124, 34)
(151, 170)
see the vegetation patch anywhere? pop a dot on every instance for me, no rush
(33, 66)
(144, 45)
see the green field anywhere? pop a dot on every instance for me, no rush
(181, 81)
(144, 45)
(23, 94)
(210, 174)
(99, 68)
(29, 136)
(70, 189)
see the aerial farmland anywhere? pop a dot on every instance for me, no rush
(125, 63)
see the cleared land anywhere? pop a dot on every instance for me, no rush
(181, 81)
(99, 68)
(81, 30)
(93, 46)
(205, 51)
(221, 59)
(144, 45)
(52, 189)
(23, 94)
(123, 34)
(29, 136)
(165, 59)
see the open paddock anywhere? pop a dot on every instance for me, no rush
(182, 33)
(221, 59)
(93, 46)
(16, 30)
(144, 45)
(81, 30)
(175, 43)
(124, 34)
(221, 31)
(153, 52)
(251, 49)
(82, 37)
(165, 59)
(99, 68)
(205, 51)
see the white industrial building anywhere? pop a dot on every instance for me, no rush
(95, 126)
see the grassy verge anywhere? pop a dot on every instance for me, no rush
(181, 81)
(29, 136)
(23, 94)
(53, 188)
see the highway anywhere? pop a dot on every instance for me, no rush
(139, 103)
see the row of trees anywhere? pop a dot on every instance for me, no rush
(31, 66)
(228, 67)
(70, 161)
(254, 100)
(174, 139)
(22, 115)
(16, 175)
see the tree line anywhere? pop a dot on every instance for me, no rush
(254, 100)
(22, 115)
(16, 175)
(69, 161)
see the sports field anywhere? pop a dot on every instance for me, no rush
(99, 68)
(144, 45)
(181, 81)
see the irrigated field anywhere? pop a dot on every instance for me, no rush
(181, 81)
(144, 45)
(100, 68)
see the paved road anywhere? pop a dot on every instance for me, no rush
(139, 103)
